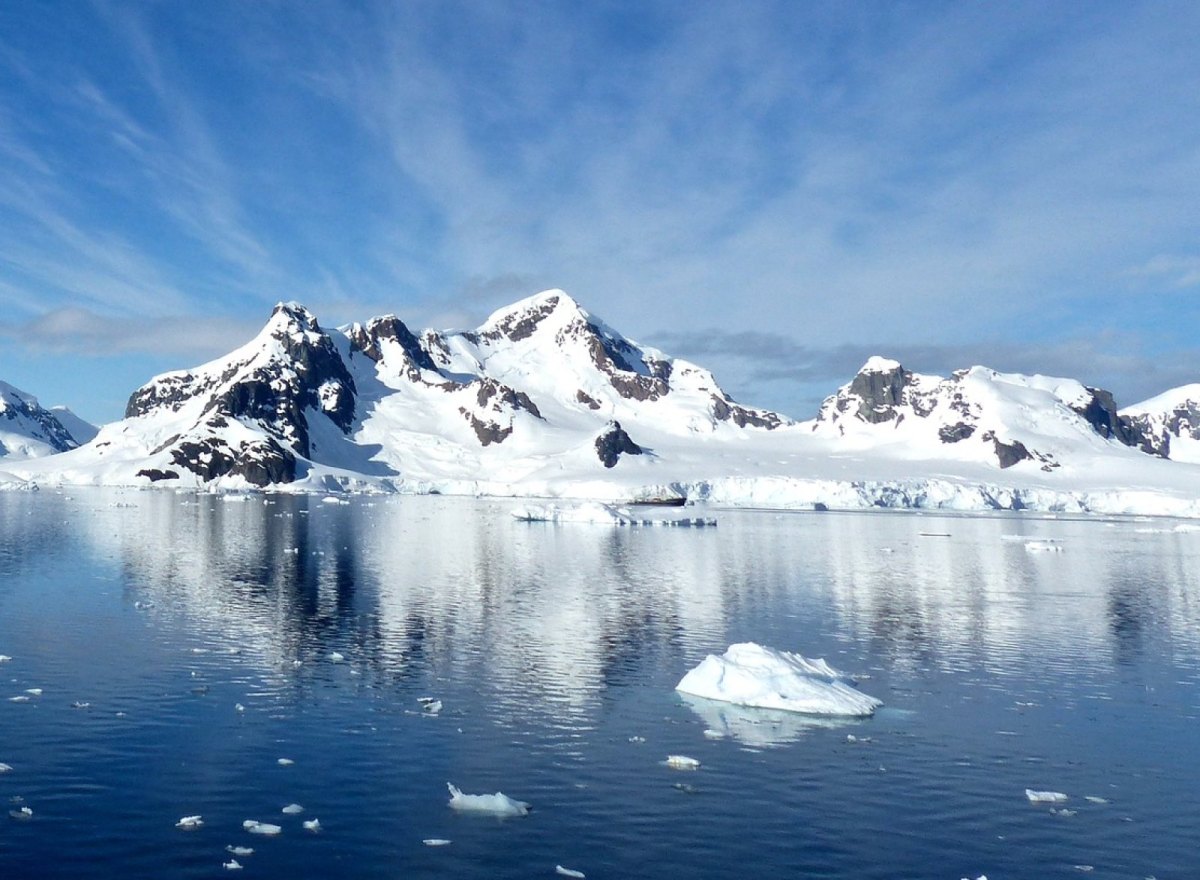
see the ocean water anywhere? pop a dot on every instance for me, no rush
(1011, 652)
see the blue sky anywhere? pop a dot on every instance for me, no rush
(774, 190)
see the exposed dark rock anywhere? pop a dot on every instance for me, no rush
(614, 442)
(155, 474)
(46, 425)
(588, 400)
(724, 409)
(956, 432)
(259, 462)
(1008, 454)
(880, 392)
(487, 432)
(366, 340)
(490, 389)
(521, 325)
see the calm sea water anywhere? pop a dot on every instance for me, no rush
(147, 618)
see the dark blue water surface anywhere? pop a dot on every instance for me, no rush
(555, 651)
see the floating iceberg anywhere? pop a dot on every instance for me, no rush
(497, 804)
(603, 514)
(436, 841)
(265, 828)
(752, 675)
(292, 809)
(189, 823)
(313, 825)
(1045, 797)
(682, 762)
(569, 872)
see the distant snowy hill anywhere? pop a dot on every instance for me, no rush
(1172, 419)
(545, 399)
(81, 430)
(27, 430)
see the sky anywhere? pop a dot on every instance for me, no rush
(775, 191)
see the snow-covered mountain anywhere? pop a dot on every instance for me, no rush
(27, 430)
(545, 399)
(1172, 421)
(977, 415)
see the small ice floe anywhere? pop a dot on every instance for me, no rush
(595, 512)
(190, 823)
(432, 707)
(1064, 812)
(568, 872)
(20, 698)
(637, 739)
(1093, 799)
(682, 762)
(238, 707)
(81, 704)
(1087, 869)
(34, 692)
(231, 865)
(292, 810)
(285, 762)
(4, 658)
(240, 850)
(143, 606)
(313, 825)
(713, 734)
(336, 657)
(1043, 547)
(264, 828)
(5, 768)
(752, 675)
(498, 804)
(435, 841)
(22, 814)
(1045, 797)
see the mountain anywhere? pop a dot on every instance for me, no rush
(1172, 421)
(978, 414)
(27, 430)
(545, 399)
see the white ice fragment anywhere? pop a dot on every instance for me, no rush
(313, 825)
(249, 823)
(1045, 797)
(265, 828)
(433, 707)
(1043, 547)
(435, 841)
(285, 762)
(568, 872)
(240, 850)
(238, 707)
(37, 692)
(598, 513)
(713, 734)
(81, 704)
(637, 739)
(1091, 798)
(752, 675)
(682, 762)
(22, 813)
(336, 657)
(292, 810)
(190, 823)
(499, 804)
(4, 658)
(231, 865)
(5, 768)
(21, 698)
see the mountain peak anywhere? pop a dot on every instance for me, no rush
(523, 318)
(878, 364)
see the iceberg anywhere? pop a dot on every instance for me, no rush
(749, 674)
(498, 804)
(1045, 797)
(599, 513)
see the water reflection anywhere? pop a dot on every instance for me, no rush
(456, 588)
(759, 727)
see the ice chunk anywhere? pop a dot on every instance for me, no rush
(1091, 799)
(498, 804)
(435, 841)
(313, 825)
(265, 828)
(432, 707)
(336, 657)
(23, 813)
(292, 810)
(285, 762)
(5, 768)
(682, 762)
(240, 850)
(568, 872)
(4, 658)
(37, 692)
(752, 675)
(1043, 547)
(231, 865)
(190, 823)
(599, 513)
(1045, 797)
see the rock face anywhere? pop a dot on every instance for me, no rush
(1168, 425)
(1003, 419)
(539, 380)
(27, 430)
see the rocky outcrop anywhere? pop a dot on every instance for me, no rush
(612, 443)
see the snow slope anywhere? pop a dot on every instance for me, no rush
(27, 430)
(1173, 418)
(544, 399)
